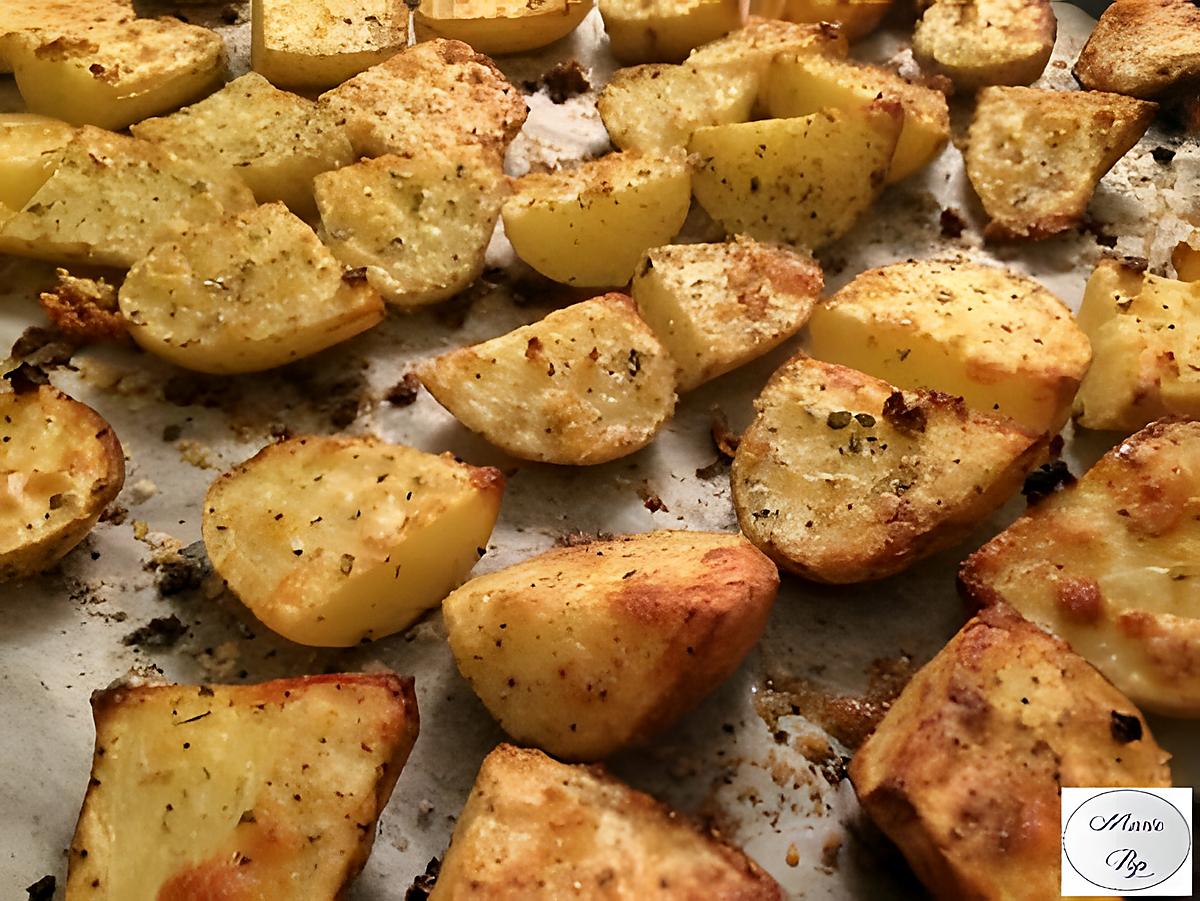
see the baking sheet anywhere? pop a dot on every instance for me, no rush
(735, 761)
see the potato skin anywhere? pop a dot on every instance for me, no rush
(965, 770)
(1143, 48)
(535, 828)
(986, 42)
(654, 623)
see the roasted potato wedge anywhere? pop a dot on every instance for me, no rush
(802, 181)
(60, 467)
(1143, 48)
(590, 225)
(29, 147)
(1034, 157)
(803, 84)
(986, 42)
(21, 19)
(587, 384)
(1144, 331)
(111, 74)
(965, 771)
(855, 18)
(333, 540)
(843, 478)
(587, 650)
(276, 141)
(420, 227)
(244, 294)
(536, 828)
(997, 339)
(751, 49)
(718, 306)
(1108, 564)
(656, 107)
(247, 791)
(437, 94)
(498, 27)
(665, 31)
(122, 195)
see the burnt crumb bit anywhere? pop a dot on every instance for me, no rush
(172, 433)
(1125, 728)
(193, 390)
(1045, 480)
(343, 413)
(161, 632)
(26, 378)
(230, 15)
(577, 538)
(1099, 230)
(115, 514)
(43, 889)
(652, 501)
(724, 439)
(182, 571)
(952, 223)
(1163, 155)
(904, 416)
(357, 276)
(423, 884)
(566, 80)
(839, 419)
(405, 391)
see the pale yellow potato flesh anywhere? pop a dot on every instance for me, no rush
(751, 48)
(587, 384)
(589, 226)
(802, 84)
(276, 141)
(997, 339)
(420, 227)
(986, 42)
(20, 19)
(60, 466)
(587, 650)
(718, 306)
(330, 541)
(665, 31)
(239, 791)
(244, 294)
(498, 27)
(315, 44)
(29, 145)
(855, 18)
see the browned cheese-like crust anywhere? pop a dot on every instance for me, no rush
(1143, 48)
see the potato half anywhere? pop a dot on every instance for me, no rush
(589, 226)
(802, 181)
(855, 18)
(965, 771)
(330, 541)
(419, 226)
(843, 478)
(1143, 48)
(249, 791)
(986, 42)
(751, 49)
(664, 31)
(277, 141)
(499, 26)
(1034, 157)
(247, 293)
(587, 384)
(60, 466)
(21, 19)
(533, 827)
(587, 650)
(719, 306)
(997, 339)
(29, 146)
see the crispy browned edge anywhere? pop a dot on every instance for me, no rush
(1124, 32)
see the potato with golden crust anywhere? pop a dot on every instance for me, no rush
(239, 792)
(84, 309)
(587, 384)
(665, 31)
(1143, 48)
(21, 19)
(497, 27)
(844, 478)
(60, 466)
(964, 773)
(29, 146)
(334, 540)
(855, 19)
(718, 306)
(752, 47)
(986, 42)
(1034, 157)
(1108, 565)
(587, 650)
(536, 828)
(997, 339)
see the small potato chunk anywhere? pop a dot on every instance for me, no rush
(986, 42)
(1034, 157)
(802, 84)
(20, 19)
(718, 306)
(654, 108)
(843, 478)
(438, 94)
(587, 650)
(277, 141)
(751, 49)
(420, 227)
(536, 828)
(108, 198)
(111, 74)
(29, 148)
(855, 18)
(243, 294)
(802, 181)
(498, 27)
(60, 466)
(314, 44)
(997, 339)
(1145, 332)
(1108, 564)
(84, 310)
(965, 771)
(587, 384)
(249, 791)
(330, 541)
(664, 31)
(1143, 48)
(589, 226)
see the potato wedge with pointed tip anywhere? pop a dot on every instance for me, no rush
(664, 31)
(986, 42)
(1143, 48)
(498, 27)
(29, 146)
(332, 541)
